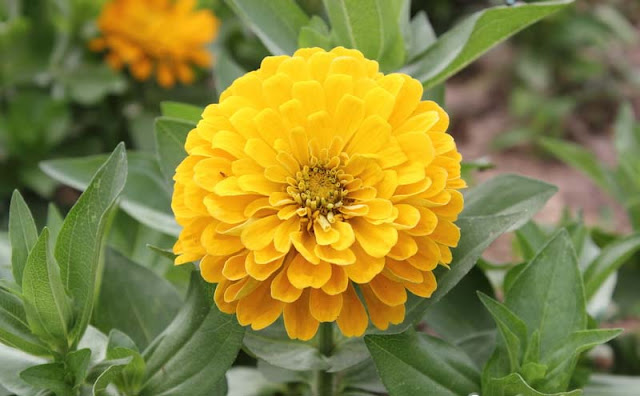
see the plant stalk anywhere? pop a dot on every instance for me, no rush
(324, 380)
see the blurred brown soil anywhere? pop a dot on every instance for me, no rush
(477, 104)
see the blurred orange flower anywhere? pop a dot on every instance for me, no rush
(165, 36)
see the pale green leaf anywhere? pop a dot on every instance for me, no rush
(610, 259)
(22, 234)
(182, 111)
(14, 329)
(50, 376)
(171, 135)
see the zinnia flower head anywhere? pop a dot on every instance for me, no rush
(314, 177)
(162, 36)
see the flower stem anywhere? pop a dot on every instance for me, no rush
(324, 380)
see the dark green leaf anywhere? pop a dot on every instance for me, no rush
(347, 353)
(473, 37)
(134, 300)
(146, 196)
(411, 364)
(610, 259)
(276, 22)
(275, 347)
(578, 342)
(79, 245)
(179, 359)
(22, 234)
(170, 137)
(46, 304)
(460, 318)
(182, 111)
(50, 376)
(78, 363)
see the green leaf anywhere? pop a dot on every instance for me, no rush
(22, 234)
(461, 319)
(626, 136)
(411, 363)
(146, 196)
(182, 111)
(315, 34)
(90, 83)
(134, 300)
(14, 329)
(276, 22)
(508, 194)
(579, 342)
(548, 296)
(581, 159)
(96, 342)
(275, 347)
(54, 223)
(226, 71)
(50, 376)
(512, 329)
(79, 245)
(77, 364)
(422, 35)
(130, 378)
(515, 385)
(610, 259)
(244, 381)
(14, 362)
(180, 359)
(110, 374)
(370, 26)
(347, 353)
(488, 213)
(171, 135)
(531, 238)
(45, 301)
(473, 37)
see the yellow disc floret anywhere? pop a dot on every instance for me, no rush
(319, 186)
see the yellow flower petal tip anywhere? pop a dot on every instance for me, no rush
(162, 37)
(314, 177)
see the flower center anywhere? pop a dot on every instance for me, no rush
(319, 190)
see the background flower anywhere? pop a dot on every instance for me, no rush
(164, 36)
(313, 177)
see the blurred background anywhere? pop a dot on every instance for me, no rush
(567, 77)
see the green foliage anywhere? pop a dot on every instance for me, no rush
(620, 182)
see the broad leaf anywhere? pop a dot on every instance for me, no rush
(370, 26)
(146, 196)
(315, 34)
(610, 259)
(77, 364)
(111, 372)
(79, 245)
(54, 223)
(170, 137)
(347, 353)
(275, 347)
(226, 71)
(14, 329)
(134, 300)
(515, 385)
(46, 304)
(461, 319)
(22, 234)
(473, 37)
(412, 363)
(182, 111)
(276, 22)
(179, 359)
(50, 376)
(421, 36)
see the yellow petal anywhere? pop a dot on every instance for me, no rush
(404, 271)
(446, 233)
(338, 281)
(234, 268)
(408, 216)
(267, 254)
(424, 289)
(282, 237)
(353, 319)
(324, 307)
(238, 289)
(261, 271)
(381, 314)
(258, 308)
(428, 255)
(218, 297)
(211, 268)
(389, 292)
(260, 233)
(451, 210)
(405, 248)
(305, 245)
(217, 244)
(376, 240)
(325, 237)
(282, 289)
(427, 223)
(365, 267)
(347, 236)
(303, 274)
(298, 321)
(331, 255)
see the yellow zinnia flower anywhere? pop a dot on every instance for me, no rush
(168, 35)
(315, 176)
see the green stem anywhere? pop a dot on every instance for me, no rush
(324, 380)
